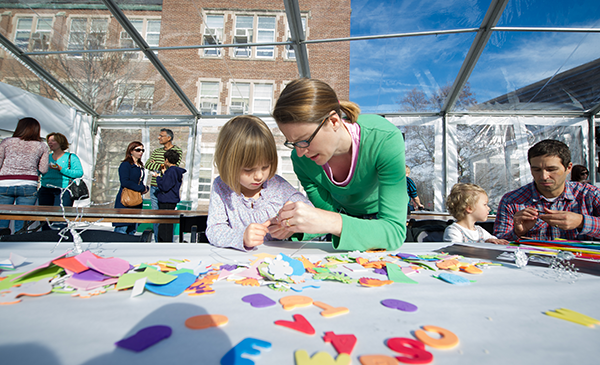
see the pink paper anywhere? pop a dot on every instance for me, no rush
(89, 285)
(112, 266)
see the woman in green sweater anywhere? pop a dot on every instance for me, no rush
(351, 166)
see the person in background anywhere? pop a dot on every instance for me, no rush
(351, 166)
(63, 167)
(468, 203)
(155, 163)
(131, 176)
(550, 207)
(168, 182)
(247, 195)
(59, 174)
(415, 202)
(23, 157)
(580, 174)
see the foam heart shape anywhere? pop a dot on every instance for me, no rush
(258, 300)
(145, 338)
(299, 324)
(399, 304)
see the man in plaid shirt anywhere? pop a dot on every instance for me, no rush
(550, 207)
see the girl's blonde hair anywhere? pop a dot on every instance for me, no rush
(309, 101)
(244, 141)
(463, 196)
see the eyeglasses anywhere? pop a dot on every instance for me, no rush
(306, 142)
(139, 150)
(585, 173)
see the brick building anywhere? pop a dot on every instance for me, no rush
(228, 80)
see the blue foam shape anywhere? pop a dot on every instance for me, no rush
(249, 346)
(296, 265)
(454, 279)
(175, 287)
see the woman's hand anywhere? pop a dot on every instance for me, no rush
(255, 233)
(300, 217)
(277, 231)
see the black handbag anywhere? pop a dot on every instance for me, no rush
(77, 187)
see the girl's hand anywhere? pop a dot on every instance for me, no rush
(497, 241)
(255, 233)
(300, 217)
(277, 231)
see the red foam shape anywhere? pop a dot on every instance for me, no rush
(299, 324)
(71, 263)
(343, 344)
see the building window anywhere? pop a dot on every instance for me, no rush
(33, 34)
(213, 34)
(262, 97)
(244, 28)
(205, 178)
(251, 98)
(135, 99)
(265, 34)
(240, 98)
(87, 34)
(148, 29)
(209, 98)
(289, 50)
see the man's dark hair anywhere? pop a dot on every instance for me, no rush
(172, 156)
(169, 133)
(551, 147)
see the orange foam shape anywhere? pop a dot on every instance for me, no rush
(374, 282)
(447, 340)
(377, 360)
(451, 264)
(295, 301)
(330, 311)
(206, 321)
(471, 269)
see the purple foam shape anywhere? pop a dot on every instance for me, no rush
(145, 338)
(90, 275)
(399, 304)
(258, 300)
(228, 267)
(382, 271)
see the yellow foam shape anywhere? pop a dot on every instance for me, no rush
(330, 311)
(321, 358)
(206, 321)
(572, 316)
(295, 301)
(447, 340)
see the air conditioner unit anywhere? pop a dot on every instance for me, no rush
(241, 32)
(238, 107)
(210, 31)
(36, 35)
(125, 35)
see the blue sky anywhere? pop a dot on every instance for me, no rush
(383, 70)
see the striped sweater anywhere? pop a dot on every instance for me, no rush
(157, 158)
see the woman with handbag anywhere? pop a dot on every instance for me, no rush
(22, 158)
(63, 168)
(131, 176)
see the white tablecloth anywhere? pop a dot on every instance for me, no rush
(499, 319)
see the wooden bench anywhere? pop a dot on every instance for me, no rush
(94, 214)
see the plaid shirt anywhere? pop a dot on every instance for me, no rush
(579, 198)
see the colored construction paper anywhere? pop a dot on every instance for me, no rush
(17, 260)
(90, 275)
(38, 274)
(71, 264)
(89, 285)
(145, 338)
(296, 265)
(396, 274)
(175, 287)
(45, 265)
(112, 266)
(85, 256)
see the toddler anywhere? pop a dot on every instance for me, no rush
(247, 195)
(468, 203)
